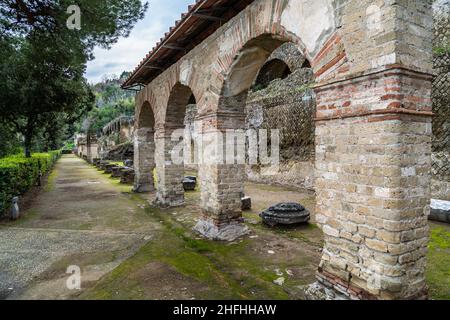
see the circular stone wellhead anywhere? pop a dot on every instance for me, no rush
(285, 213)
(189, 183)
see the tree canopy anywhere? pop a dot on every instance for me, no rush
(42, 62)
(111, 102)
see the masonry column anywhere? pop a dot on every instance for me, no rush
(373, 167)
(221, 180)
(144, 159)
(169, 169)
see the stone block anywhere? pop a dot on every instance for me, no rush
(127, 176)
(116, 172)
(246, 203)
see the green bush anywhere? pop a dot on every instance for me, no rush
(18, 174)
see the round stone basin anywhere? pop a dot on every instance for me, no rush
(286, 214)
(189, 184)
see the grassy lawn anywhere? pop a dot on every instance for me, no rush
(438, 270)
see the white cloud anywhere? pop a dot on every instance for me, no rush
(126, 54)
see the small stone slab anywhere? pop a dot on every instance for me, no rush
(127, 176)
(116, 173)
(246, 203)
(285, 213)
(189, 184)
(108, 168)
(102, 165)
(440, 211)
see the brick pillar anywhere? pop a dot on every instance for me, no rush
(222, 186)
(170, 191)
(373, 168)
(221, 182)
(144, 159)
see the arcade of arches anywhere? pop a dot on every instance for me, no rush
(372, 85)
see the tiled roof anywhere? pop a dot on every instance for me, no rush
(202, 19)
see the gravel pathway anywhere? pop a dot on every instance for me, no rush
(52, 230)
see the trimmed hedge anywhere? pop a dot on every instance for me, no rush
(18, 174)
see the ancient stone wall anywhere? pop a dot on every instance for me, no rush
(118, 132)
(286, 104)
(372, 68)
(87, 148)
(440, 186)
(144, 149)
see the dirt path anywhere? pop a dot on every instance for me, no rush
(81, 218)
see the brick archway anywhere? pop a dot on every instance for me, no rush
(222, 182)
(144, 149)
(170, 147)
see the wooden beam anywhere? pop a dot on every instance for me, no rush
(206, 11)
(208, 17)
(170, 46)
(153, 68)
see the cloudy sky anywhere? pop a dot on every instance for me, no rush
(128, 52)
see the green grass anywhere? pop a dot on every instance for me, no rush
(51, 181)
(438, 269)
(25, 217)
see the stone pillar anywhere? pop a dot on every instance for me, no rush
(373, 167)
(373, 155)
(222, 187)
(170, 174)
(144, 160)
(221, 181)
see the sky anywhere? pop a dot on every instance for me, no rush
(126, 54)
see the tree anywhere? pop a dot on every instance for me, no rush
(9, 141)
(42, 63)
(38, 80)
(103, 21)
(111, 102)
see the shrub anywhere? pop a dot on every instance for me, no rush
(18, 174)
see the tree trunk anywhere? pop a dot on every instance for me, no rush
(27, 145)
(29, 136)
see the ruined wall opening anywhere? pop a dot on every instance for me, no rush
(181, 113)
(272, 70)
(175, 151)
(146, 118)
(267, 89)
(190, 161)
(285, 102)
(144, 149)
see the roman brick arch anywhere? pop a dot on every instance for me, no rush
(146, 118)
(373, 131)
(144, 149)
(247, 64)
(273, 69)
(170, 147)
(223, 183)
